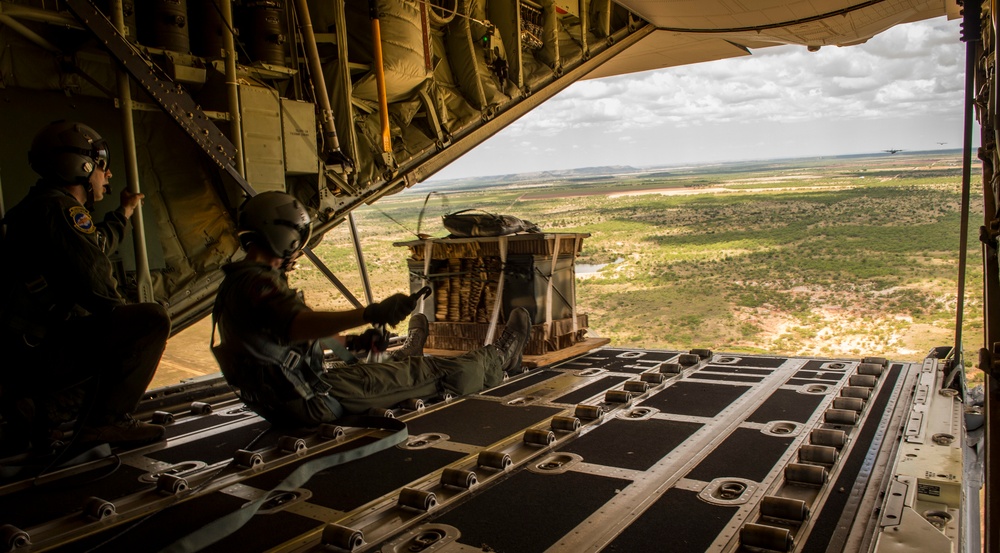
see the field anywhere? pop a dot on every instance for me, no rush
(841, 257)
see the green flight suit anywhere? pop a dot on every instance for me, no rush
(63, 325)
(285, 382)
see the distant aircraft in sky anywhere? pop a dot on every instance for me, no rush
(941, 143)
(893, 151)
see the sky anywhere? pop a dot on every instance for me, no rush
(903, 89)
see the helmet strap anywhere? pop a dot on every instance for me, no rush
(89, 204)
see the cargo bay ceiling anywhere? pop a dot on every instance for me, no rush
(339, 103)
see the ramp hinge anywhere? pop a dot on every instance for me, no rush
(988, 360)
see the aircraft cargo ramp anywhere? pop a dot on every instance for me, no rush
(611, 450)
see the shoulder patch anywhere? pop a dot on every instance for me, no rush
(81, 219)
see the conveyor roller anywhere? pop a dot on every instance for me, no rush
(784, 508)
(769, 538)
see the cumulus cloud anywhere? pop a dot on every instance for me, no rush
(912, 72)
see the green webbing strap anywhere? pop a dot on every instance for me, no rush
(227, 524)
(334, 345)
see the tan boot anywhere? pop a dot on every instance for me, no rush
(513, 339)
(415, 338)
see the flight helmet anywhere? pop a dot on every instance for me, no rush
(69, 152)
(275, 221)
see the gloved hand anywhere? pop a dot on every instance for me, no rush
(369, 340)
(390, 311)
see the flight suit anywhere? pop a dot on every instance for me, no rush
(62, 321)
(285, 382)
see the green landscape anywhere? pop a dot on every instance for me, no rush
(841, 257)
(838, 257)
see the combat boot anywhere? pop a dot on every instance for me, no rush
(124, 430)
(513, 339)
(416, 335)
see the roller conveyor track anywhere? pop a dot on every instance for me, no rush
(615, 450)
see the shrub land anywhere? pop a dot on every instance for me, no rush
(833, 257)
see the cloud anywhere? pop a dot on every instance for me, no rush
(911, 73)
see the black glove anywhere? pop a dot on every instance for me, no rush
(390, 311)
(369, 340)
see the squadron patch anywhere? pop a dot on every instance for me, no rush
(81, 219)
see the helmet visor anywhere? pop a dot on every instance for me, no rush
(101, 155)
(99, 152)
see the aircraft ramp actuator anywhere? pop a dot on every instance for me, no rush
(613, 450)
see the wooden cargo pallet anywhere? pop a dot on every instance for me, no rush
(533, 361)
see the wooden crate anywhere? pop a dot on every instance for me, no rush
(539, 274)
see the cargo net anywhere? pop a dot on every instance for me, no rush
(464, 275)
(531, 27)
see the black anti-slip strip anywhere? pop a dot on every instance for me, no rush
(580, 394)
(803, 382)
(762, 362)
(722, 377)
(611, 360)
(735, 370)
(635, 445)
(828, 375)
(529, 512)
(188, 426)
(353, 484)
(633, 366)
(478, 421)
(521, 383)
(746, 453)
(696, 399)
(217, 446)
(657, 356)
(817, 364)
(786, 405)
(163, 527)
(677, 522)
(833, 508)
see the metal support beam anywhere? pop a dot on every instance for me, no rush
(27, 33)
(232, 86)
(144, 282)
(972, 36)
(60, 18)
(331, 144)
(362, 267)
(332, 278)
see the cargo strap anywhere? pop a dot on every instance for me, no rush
(227, 524)
(425, 306)
(498, 304)
(339, 350)
(548, 290)
(572, 283)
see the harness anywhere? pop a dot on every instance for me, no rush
(264, 372)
